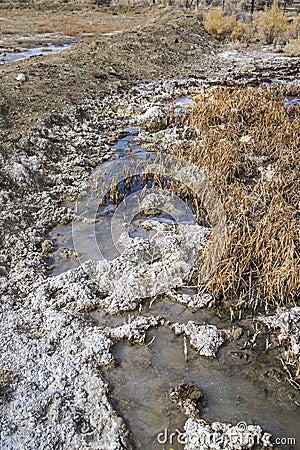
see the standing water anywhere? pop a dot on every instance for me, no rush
(23, 53)
(145, 374)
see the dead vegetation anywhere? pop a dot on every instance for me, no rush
(226, 28)
(249, 148)
(73, 26)
(293, 47)
(270, 26)
(273, 25)
(65, 21)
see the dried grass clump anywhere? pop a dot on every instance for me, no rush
(250, 150)
(74, 25)
(70, 26)
(293, 47)
(295, 27)
(273, 25)
(226, 28)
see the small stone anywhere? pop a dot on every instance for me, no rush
(206, 339)
(154, 119)
(3, 271)
(21, 77)
(201, 300)
(186, 391)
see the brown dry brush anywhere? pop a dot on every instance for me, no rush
(249, 149)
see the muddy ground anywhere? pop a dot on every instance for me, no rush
(57, 124)
(165, 44)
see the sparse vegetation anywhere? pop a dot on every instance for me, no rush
(64, 21)
(231, 24)
(270, 26)
(293, 47)
(70, 26)
(250, 149)
(226, 28)
(273, 25)
(295, 27)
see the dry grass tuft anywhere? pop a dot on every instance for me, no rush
(250, 149)
(273, 25)
(226, 28)
(293, 47)
(295, 27)
(72, 26)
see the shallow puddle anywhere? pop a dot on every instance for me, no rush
(291, 100)
(145, 376)
(61, 261)
(22, 53)
(95, 219)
